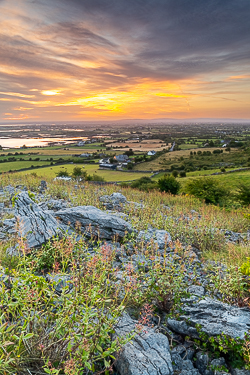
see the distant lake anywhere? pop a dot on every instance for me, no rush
(34, 142)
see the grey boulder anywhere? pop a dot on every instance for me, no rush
(160, 237)
(147, 354)
(35, 226)
(179, 364)
(92, 221)
(202, 361)
(236, 371)
(213, 316)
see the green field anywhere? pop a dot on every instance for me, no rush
(17, 165)
(109, 176)
(206, 172)
(229, 180)
(186, 146)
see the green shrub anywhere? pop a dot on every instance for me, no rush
(144, 184)
(169, 184)
(207, 189)
(63, 174)
(96, 177)
(175, 174)
(243, 194)
(130, 166)
(183, 174)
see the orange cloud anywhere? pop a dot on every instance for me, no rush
(242, 76)
(63, 70)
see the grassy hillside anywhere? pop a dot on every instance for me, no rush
(153, 213)
(67, 296)
(229, 180)
(182, 160)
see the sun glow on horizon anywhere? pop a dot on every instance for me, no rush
(50, 92)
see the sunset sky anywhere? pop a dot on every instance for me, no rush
(63, 60)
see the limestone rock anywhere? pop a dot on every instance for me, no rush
(93, 221)
(236, 371)
(34, 225)
(215, 318)
(147, 354)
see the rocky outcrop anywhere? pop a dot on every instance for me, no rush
(237, 371)
(147, 354)
(214, 317)
(34, 225)
(92, 221)
(160, 237)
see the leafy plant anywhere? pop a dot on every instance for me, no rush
(62, 173)
(235, 349)
(207, 189)
(245, 268)
(243, 194)
(169, 184)
(229, 283)
(43, 330)
(144, 183)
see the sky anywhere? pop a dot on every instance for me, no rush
(75, 60)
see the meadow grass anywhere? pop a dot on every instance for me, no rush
(186, 146)
(109, 176)
(16, 165)
(229, 180)
(202, 173)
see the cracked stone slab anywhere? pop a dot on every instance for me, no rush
(92, 220)
(34, 225)
(147, 354)
(214, 317)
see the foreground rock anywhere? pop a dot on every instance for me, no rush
(92, 221)
(147, 354)
(214, 317)
(34, 225)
